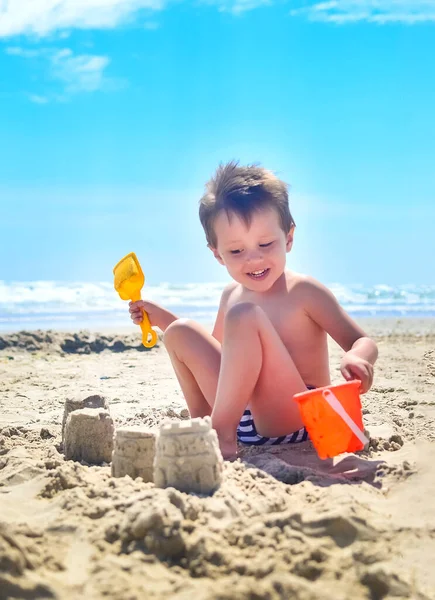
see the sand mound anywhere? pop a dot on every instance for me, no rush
(89, 342)
(82, 342)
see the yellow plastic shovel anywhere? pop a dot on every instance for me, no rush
(129, 280)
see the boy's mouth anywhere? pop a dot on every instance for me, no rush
(258, 274)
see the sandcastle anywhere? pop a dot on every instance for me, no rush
(184, 454)
(88, 436)
(133, 453)
(71, 404)
(188, 457)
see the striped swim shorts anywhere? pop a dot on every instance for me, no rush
(247, 433)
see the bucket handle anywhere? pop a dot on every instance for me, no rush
(336, 406)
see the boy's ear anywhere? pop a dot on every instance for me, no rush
(216, 254)
(289, 241)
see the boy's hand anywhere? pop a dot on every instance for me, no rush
(136, 311)
(355, 367)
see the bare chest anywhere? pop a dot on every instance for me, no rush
(288, 317)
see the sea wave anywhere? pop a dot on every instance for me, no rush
(54, 304)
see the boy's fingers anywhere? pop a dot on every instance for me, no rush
(365, 377)
(369, 381)
(135, 304)
(346, 373)
(359, 373)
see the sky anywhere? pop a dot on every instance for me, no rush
(114, 113)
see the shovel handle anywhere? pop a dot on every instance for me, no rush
(148, 331)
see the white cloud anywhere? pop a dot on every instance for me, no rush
(48, 17)
(38, 99)
(240, 6)
(373, 11)
(76, 72)
(237, 6)
(43, 17)
(23, 52)
(79, 73)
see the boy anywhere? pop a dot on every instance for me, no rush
(269, 340)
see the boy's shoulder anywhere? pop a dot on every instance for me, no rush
(301, 281)
(308, 291)
(311, 294)
(232, 285)
(230, 288)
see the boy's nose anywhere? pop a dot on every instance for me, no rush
(254, 255)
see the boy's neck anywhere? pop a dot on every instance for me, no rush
(279, 286)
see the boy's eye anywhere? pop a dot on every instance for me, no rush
(266, 245)
(235, 251)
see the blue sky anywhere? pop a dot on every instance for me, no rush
(114, 114)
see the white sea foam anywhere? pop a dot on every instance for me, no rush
(51, 304)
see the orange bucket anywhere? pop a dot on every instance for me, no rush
(332, 416)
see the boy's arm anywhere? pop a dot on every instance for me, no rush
(361, 351)
(162, 317)
(159, 317)
(218, 329)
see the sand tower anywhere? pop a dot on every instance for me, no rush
(133, 452)
(71, 404)
(88, 436)
(188, 457)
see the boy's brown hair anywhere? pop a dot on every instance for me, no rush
(243, 190)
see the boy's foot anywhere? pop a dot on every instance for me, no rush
(228, 449)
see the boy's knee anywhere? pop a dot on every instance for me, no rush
(242, 312)
(176, 329)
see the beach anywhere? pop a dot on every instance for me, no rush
(283, 524)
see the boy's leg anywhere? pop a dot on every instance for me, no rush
(257, 369)
(196, 358)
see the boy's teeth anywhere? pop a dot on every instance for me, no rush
(258, 272)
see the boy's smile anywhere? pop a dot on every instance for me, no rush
(259, 275)
(254, 256)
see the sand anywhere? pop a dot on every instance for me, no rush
(283, 524)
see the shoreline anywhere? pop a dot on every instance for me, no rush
(378, 327)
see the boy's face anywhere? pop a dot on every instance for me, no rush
(254, 256)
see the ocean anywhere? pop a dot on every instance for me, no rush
(73, 305)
